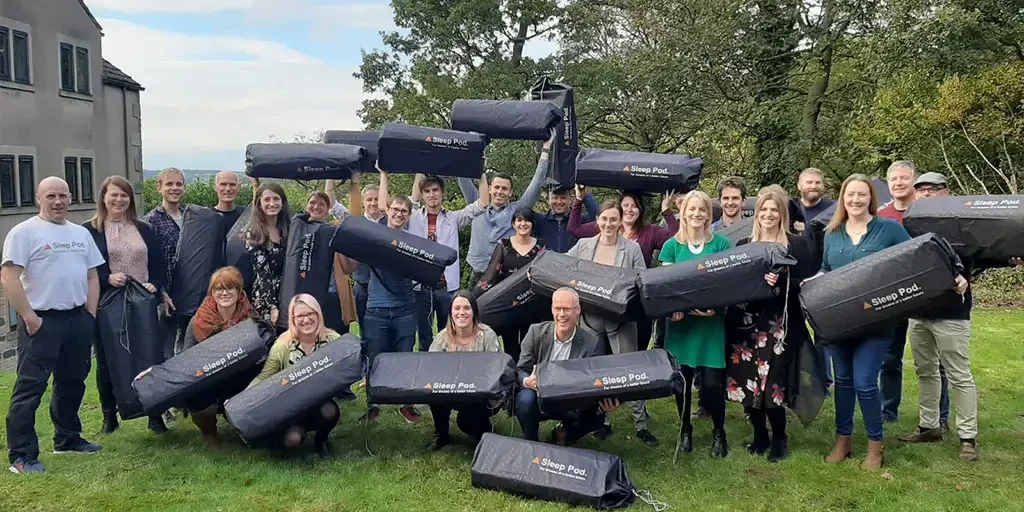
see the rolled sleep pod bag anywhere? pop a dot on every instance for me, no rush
(987, 230)
(204, 366)
(130, 335)
(365, 140)
(235, 245)
(440, 378)
(503, 119)
(603, 289)
(641, 172)
(579, 383)
(567, 136)
(294, 161)
(878, 290)
(309, 262)
(272, 405)
(722, 279)
(392, 250)
(201, 248)
(406, 149)
(513, 302)
(555, 473)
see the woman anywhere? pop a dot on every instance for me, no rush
(697, 338)
(130, 249)
(317, 210)
(510, 255)
(226, 304)
(464, 333)
(855, 232)
(612, 249)
(766, 337)
(262, 265)
(306, 334)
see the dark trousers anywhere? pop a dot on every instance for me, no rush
(577, 423)
(333, 318)
(473, 420)
(890, 381)
(711, 398)
(431, 302)
(174, 327)
(389, 330)
(62, 347)
(321, 419)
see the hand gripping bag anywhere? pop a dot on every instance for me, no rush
(722, 279)
(273, 404)
(365, 140)
(564, 152)
(555, 473)
(513, 302)
(204, 366)
(603, 289)
(406, 149)
(393, 250)
(579, 383)
(130, 335)
(440, 378)
(988, 230)
(880, 289)
(642, 172)
(200, 254)
(296, 161)
(309, 262)
(502, 119)
(235, 245)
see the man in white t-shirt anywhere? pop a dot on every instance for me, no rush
(49, 275)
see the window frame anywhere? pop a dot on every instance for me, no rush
(27, 197)
(80, 87)
(27, 79)
(6, 54)
(82, 161)
(72, 178)
(13, 186)
(70, 48)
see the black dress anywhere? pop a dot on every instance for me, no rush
(504, 262)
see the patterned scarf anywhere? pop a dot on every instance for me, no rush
(208, 321)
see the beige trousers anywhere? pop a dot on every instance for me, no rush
(948, 342)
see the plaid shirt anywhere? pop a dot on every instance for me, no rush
(167, 232)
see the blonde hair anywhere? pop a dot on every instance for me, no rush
(841, 216)
(758, 234)
(289, 337)
(168, 171)
(704, 198)
(773, 188)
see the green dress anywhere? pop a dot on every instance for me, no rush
(695, 340)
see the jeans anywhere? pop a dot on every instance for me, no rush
(857, 367)
(577, 423)
(428, 303)
(891, 380)
(360, 293)
(389, 330)
(62, 347)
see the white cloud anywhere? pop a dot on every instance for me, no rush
(177, 6)
(194, 102)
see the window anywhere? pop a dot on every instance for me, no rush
(74, 69)
(7, 184)
(27, 180)
(21, 57)
(67, 67)
(78, 172)
(82, 69)
(71, 176)
(86, 174)
(15, 61)
(5, 54)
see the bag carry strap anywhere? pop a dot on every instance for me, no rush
(646, 497)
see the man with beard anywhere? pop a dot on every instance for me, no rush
(732, 194)
(811, 184)
(553, 226)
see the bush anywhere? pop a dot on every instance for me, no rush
(1000, 288)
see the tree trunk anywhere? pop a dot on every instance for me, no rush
(519, 42)
(816, 93)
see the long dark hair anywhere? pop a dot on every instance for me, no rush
(641, 218)
(259, 232)
(130, 214)
(449, 330)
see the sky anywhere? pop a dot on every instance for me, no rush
(220, 74)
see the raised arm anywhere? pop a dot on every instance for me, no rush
(577, 227)
(382, 194)
(592, 207)
(414, 194)
(355, 201)
(465, 216)
(532, 192)
(469, 191)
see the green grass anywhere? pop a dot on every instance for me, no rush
(137, 471)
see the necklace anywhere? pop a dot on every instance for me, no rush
(696, 249)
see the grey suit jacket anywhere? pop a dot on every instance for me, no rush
(627, 252)
(540, 338)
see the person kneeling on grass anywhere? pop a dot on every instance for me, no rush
(464, 333)
(306, 334)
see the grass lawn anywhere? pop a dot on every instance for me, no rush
(138, 471)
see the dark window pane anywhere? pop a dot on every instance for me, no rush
(21, 57)
(87, 180)
(71, 176)
(67, 67)
(7, 181)
(5, 54)
(27, 180)
(82, 69)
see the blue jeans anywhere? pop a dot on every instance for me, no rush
(359, 291)
(856, 373)
(891, 380)
(577, 423)
(944, 398)
(389, 330)
(826, 360)
(428, 303)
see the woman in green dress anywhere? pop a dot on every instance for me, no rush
(697, 338)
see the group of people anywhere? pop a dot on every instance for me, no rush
(54, 273)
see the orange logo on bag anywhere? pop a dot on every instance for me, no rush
(394, 243)
(199, 373)
(598, 383)
(536, 460)
(428, 387)
(969, 203)
(429, 140)
(302, 275)
(626, 168)
(867, 306)
(515, 303)
(284, 382)
(572, 283)
(700, 266)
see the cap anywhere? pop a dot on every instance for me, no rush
(930, 178)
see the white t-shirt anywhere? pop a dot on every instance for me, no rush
(56, 259)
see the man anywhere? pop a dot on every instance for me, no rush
(371, 210)
(227, 187)
(435, 223)
(900, 176)
(732, 194)
(811, 185)
(166, 220)
(496, 222)
(49, 275)
(943, 337)
(559, 340)
(553, 226)
(390, 321)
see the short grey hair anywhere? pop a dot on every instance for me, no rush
(570, 291)
(370, 188)
(902, 164)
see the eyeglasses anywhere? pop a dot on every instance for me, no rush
(307, 316)
(221, 289)
(937, 188)
(399, 211)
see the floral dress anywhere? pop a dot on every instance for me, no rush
(267, 262)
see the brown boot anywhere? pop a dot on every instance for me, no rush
(842, 450)
(876, 455)
(207, 423)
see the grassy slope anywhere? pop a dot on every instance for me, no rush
(141, 472)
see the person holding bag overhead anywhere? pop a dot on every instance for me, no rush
(131, 250)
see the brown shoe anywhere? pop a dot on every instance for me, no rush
(931, 435)
(876, 456)
(969, 452)
(842, 450)
(207, 423)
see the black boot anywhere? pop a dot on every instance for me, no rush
(110, 423)
(780, 449)
(156, 425)
(719, 445)
(762, 441)
(686, 439)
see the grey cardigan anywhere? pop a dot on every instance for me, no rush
(627, 252)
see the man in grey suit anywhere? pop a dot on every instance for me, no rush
(558, 340)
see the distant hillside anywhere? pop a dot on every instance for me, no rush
(190, 174)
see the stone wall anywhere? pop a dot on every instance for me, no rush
(8, 338)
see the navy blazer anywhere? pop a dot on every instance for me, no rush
(156, 265)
